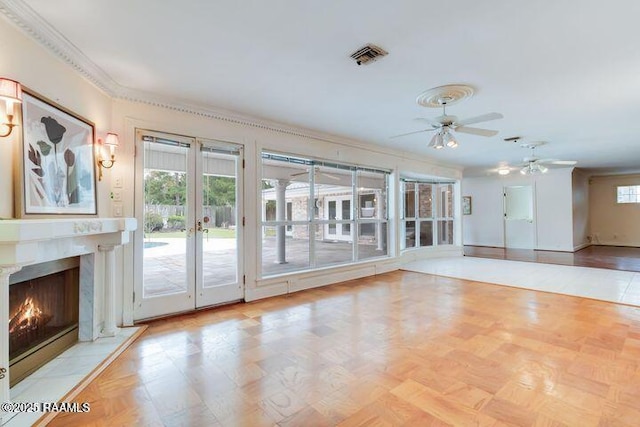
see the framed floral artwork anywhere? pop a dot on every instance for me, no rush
(58, 160)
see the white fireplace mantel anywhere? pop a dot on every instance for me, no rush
(32, 241)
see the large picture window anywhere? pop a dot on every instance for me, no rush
(427, 214)
(318, 214)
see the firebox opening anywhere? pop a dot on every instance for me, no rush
(43, 314)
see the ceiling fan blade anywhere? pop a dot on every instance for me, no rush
(333, 177)
(478, 119)
(410, 133)
(433, 122)
(557, 162)
(565, 162)
(299, 173)
(476, 131)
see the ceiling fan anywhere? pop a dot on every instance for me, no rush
(534, 165)
(318, 172)
(444, 124)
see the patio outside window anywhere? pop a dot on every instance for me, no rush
(318, 214)
(427, 214)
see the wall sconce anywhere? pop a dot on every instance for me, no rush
(10, 93)
(112, 142)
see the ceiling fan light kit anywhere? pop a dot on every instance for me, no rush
(449, 140)
(441, 97)
(534, 165)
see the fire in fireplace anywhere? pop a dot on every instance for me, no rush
(27, 326)
(43, 314)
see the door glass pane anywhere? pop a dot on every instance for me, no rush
(165, 210)
(219, 219)
(346, 209)
(332, 209)
(346, 214)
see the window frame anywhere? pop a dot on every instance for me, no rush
(435, 219)
(314, 215)
(630, 192)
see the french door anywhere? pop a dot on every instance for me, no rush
(339, 209)
(188, 205)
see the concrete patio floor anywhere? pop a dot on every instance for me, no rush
(165, 260)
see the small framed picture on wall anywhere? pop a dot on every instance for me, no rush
(466, 205)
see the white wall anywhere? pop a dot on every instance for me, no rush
(485, 225)
(554, 210)
(552, 216)
(38, 70)
(580, 185)
(613, 223)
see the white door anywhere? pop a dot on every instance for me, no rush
(519, 230)
(219, 228)
(188, 203)
(338, 209)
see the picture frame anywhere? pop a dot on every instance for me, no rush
(466, 205)
(57, 174)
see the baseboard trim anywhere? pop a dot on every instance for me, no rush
(582, 246)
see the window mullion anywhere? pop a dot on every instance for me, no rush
(311, 218)
(354, 216)
(416, 213)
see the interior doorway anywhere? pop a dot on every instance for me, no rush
(519, 226)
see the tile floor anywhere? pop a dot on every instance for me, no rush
(595, 283)
(58, 377)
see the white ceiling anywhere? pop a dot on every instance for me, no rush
(567, 72)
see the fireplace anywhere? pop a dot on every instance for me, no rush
(24, 243)
(43, 314)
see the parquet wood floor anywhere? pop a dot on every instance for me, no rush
(400, 348)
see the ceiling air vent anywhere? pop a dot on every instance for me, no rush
(367, 54)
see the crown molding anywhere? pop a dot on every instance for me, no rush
(27, 20)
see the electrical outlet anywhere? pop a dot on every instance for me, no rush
(117, 195)
(117, 182)
(117, 210)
